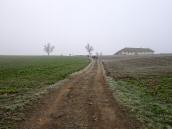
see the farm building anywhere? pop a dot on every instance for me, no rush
(135, 51)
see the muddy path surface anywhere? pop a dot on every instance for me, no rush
(85, 102)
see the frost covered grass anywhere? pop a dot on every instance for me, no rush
(143, 84)
(149, 109)
(24, 78)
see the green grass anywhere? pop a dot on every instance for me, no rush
(151, 105)
(23, 78)
(159, 87)
(19, 74)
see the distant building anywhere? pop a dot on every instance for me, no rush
(135, 51)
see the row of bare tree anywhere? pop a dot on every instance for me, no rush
(48, 48)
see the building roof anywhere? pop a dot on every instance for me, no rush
(135, 50)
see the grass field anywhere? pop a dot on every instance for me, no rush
(24, 77)
(143, 84)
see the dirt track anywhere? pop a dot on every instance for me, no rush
(84, 102)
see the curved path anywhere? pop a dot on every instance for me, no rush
(84, 102)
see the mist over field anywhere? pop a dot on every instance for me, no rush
(89, 87)
(108, 25)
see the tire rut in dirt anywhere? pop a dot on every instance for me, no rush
(83, 103)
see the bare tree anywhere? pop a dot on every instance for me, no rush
(48, 48)
(89, 49)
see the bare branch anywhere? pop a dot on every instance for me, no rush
(89, 49)
(48, 48)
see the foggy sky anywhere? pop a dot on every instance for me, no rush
(108, 25)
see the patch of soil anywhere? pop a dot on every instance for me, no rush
(85, 102)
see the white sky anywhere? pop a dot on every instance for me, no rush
(108, 25)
